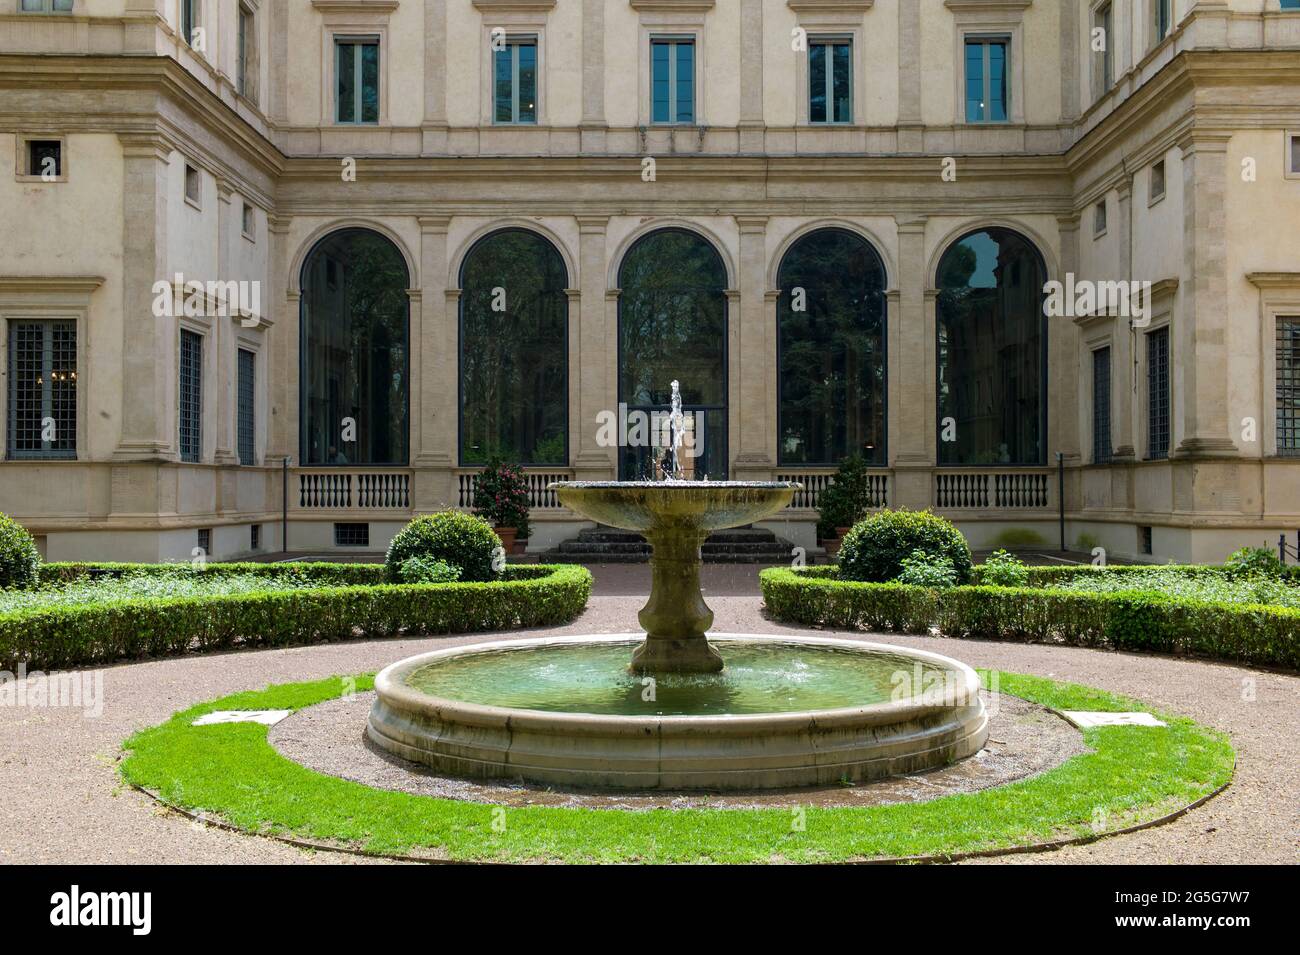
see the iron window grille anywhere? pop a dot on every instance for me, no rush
(190, 405)
(1158, 395)
(1101, 449)
(42, 389)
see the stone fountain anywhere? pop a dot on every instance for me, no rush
(741, 712)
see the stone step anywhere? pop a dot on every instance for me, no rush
(711, 546)
(603, 547)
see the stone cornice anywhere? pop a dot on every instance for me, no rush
(830, 6)
(983, 6)
(1274, 280)
(514, 6)
(78, 285)
(672, 6)
(355, 6)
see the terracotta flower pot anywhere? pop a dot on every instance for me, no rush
(507, 535)
(832, 545)
(521, 546)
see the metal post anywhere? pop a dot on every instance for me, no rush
(1060, 493)
(284, 505)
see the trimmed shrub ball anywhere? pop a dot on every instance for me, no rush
(20, 561)
(453, 537)
(874, 550)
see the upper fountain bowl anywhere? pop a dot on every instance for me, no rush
(702, 505)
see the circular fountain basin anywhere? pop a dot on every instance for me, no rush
(647, 505)
(786, 711)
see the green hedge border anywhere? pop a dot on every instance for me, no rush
(534, 595)
(1139, 620)
(1132, 776)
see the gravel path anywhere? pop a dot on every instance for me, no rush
(61, 800)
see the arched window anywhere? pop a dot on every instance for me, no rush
(672, 323)
(354, 351)
(514, 351)
(992, 351)
(831, 350)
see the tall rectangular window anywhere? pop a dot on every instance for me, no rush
(986, 79)
(245, 414)
(356, 73)
(515, 81)
(190, 405)
(1158, 394)
(672, 80)
(1101, 449)
(830, 80)
(1103, 20)
(1288, 386)
(42, 389)
(1163, 15)
(243, 49)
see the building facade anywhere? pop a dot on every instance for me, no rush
(280, 274)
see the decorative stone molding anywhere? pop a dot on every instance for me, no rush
(853, 7)
(672, 6)
(983, 6)
(355, 6)
(514, 6)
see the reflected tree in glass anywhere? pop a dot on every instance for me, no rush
(831, 343)
(355, 351)
(514, 363)
(673, 325)
(992, 350)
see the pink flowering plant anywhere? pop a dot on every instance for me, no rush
(501, 496)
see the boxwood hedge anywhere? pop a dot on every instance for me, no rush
(350, 603)
(1132, 620)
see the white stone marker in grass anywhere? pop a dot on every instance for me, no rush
(1085, 719)
(266, 717)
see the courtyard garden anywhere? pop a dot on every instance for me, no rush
(292, 762)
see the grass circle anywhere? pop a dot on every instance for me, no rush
(1134, 775)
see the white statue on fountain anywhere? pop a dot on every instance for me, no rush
(677, 435)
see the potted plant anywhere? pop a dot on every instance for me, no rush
(843, 503)
(501, 498)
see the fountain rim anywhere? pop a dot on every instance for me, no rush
(390, 688)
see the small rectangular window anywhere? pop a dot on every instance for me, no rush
(244, 39)
(1290, 4)
(42, 389)
(1163, 16)
(1099, 219)
(1144, 540)
(515, 81)
(1103, 20)
(672, 80)
(255, 537)
(245, 416)
(1293, 149)
(189, 20)
(45, 158)
(249, 225)
(1101, 450)
(351, 535)
(1157, 182)
(1158, 395)
(193, 186)
(987, 98)
(45, 6)
(190, 404)
(1288, 386)
(205, 540)
(356, 70)
(830, 80)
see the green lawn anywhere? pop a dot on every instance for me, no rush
(1134, 774)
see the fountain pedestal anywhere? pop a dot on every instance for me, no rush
(676, 617)
(675, 517)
